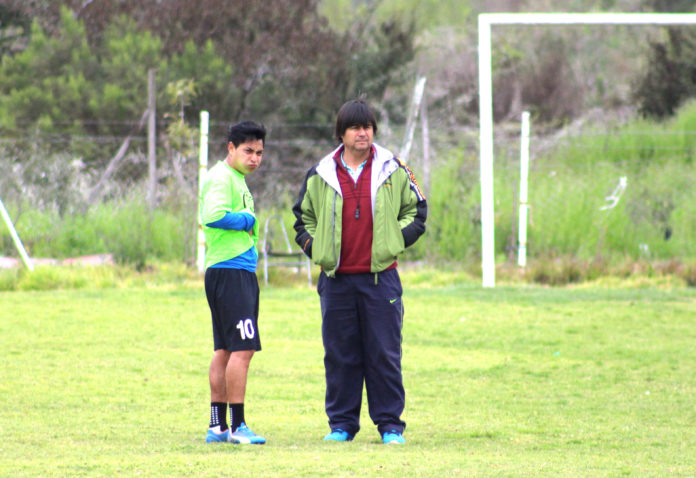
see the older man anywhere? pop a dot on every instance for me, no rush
(357, 210)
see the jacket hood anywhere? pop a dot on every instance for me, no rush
(384, 163)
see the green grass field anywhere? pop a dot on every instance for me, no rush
(516, 381)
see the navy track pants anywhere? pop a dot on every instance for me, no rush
(362, 316)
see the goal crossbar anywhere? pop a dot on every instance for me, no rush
(485, 22)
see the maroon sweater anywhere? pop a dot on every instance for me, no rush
(356, 230)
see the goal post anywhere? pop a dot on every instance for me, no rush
(485, 22)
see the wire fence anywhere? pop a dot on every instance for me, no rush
(65, 202)
(49, 180)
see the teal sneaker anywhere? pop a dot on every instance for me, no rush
(393, 438)
(243, 435)
(338, 435)
(214, 436)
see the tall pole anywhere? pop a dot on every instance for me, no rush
(524, 177)
(151, 139)
(486, 153)
(202, 170)
(426, 146)
(412, 117)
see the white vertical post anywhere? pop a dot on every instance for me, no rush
(411, 121)
(486, 153)
(15, 237)
(426, 147)
(202, 170)
(524, 206)
(151, 140)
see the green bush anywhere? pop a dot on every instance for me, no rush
(454, 215)
(655, 219)
(127, 229)
(8, 279)
(50, 277)
(134, 234)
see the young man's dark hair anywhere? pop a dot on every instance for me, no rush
(354, 113)
(246, 131)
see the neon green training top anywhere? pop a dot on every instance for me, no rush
(225, 190)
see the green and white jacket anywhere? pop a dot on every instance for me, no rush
(399, 211)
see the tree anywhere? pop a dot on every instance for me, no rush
(81, 77)
(47, 79)
(61, 84)
(670, 76)
(15, 25)
(277, 69)
(263, 43)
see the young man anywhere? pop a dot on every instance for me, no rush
(231, 233)
(358, 209)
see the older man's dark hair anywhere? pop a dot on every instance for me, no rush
(354, 113)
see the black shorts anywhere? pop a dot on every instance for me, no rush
(233, 297)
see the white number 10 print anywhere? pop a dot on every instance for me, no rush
(246, 329)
